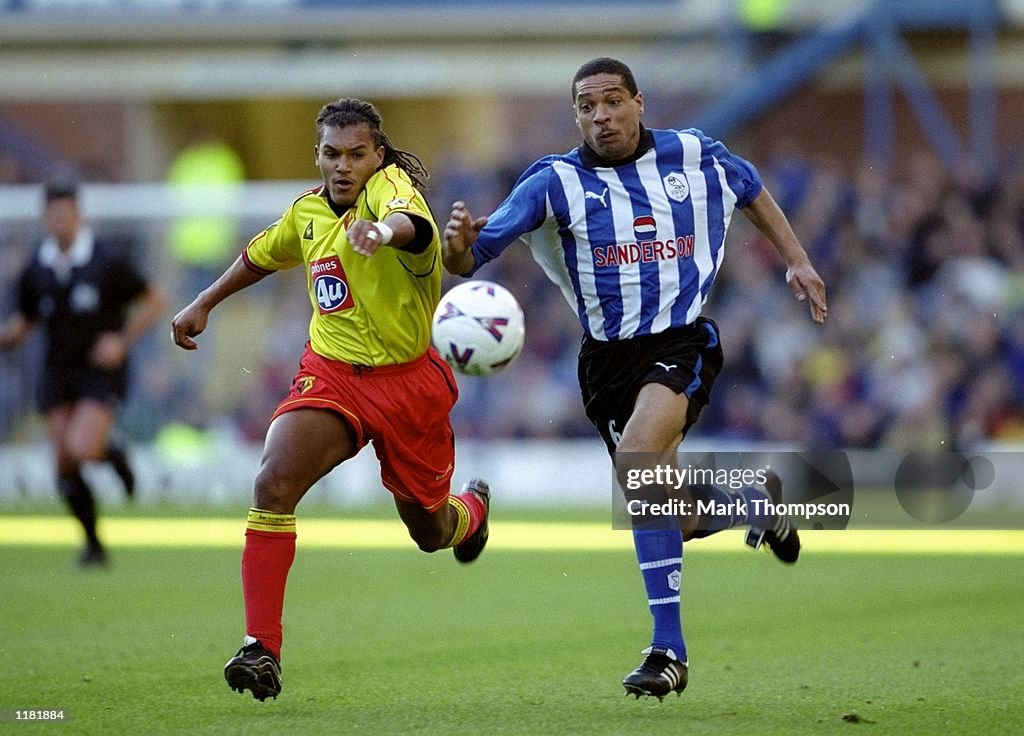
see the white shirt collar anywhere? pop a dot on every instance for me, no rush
(62, 262)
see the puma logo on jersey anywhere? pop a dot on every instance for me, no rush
(666, 366)
(599, 197)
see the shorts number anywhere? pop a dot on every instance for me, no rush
(615, 434)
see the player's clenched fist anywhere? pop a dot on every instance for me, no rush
(188, 323)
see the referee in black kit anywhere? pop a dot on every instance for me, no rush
(93, 304)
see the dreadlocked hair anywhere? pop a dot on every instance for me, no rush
(349, 111)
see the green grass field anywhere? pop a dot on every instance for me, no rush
(388, 640)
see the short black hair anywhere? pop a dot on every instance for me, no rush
(60, 188)
(606, 65)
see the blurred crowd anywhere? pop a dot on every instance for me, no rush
(923, 348)
(926, 340)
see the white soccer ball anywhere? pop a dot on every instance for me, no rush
(478, 328)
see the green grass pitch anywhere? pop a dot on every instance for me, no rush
(393, 641)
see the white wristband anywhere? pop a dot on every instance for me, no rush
(386, 233)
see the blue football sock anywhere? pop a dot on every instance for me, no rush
(660, 554)
(730, 508)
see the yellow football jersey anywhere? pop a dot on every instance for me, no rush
(366, 310)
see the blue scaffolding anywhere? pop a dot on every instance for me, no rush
(879, 28)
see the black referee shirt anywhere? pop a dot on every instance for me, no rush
(76, 304)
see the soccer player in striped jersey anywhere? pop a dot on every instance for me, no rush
(636, 222)
(371, 252)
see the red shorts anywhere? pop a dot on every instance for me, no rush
(402, 408)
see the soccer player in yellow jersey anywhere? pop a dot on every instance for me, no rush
(371, 252)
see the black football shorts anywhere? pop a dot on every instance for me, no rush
(57, 387)
(611, 373)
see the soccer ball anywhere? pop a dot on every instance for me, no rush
(478, 328)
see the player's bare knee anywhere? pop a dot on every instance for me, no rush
(77, 451)
(274, 492)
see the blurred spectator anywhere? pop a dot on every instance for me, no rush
(207, 172)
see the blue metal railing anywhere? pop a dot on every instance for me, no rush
(889, 63)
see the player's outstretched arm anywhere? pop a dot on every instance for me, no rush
(459, 235)
(803, 280)
(191, 320)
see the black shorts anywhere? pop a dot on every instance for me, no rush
(685, 359)
(57, 387)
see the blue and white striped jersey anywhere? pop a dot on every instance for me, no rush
(634, 247)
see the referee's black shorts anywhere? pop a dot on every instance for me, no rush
(58, 386)
(685, 359)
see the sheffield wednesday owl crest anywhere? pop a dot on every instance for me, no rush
(676, 187)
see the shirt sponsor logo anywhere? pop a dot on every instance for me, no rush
(331, 292)
(645, 251)
(645, 227)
